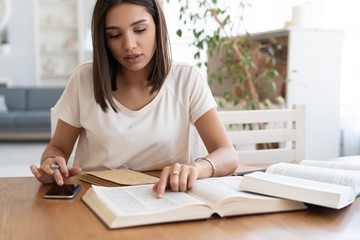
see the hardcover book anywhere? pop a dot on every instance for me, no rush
(333, 184)
(120, 207)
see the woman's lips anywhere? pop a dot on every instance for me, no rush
(133, 58)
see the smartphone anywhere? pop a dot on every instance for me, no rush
(66, 191)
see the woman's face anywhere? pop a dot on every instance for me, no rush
(130, 35)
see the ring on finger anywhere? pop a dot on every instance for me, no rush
(175, 173)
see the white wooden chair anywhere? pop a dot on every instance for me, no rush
(285, 127)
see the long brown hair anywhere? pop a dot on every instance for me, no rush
(105, 66)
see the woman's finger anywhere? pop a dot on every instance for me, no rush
(74, 171)
(163, 182)
(41, 176)
(192, 177)
(35, 171)
(58, 177)
(174, 177)
(183, 178)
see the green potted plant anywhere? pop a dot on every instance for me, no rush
(241, 70)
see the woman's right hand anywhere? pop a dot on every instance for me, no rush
(47, 174)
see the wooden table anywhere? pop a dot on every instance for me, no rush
(25, 214)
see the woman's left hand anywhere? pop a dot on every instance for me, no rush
(178, 177)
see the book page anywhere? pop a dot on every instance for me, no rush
(336, 164)
(354, 159)
(335, 176)
(142, 199)
(215, 190)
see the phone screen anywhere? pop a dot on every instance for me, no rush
(65, 191)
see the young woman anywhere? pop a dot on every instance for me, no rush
(132, 107)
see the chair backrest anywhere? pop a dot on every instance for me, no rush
(283, 129)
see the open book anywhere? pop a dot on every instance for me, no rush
(129, 206)
(333, 184)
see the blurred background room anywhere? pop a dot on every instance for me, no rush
(42, 41)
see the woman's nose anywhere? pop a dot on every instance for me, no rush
(129, 42)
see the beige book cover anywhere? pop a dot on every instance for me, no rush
(118, 177)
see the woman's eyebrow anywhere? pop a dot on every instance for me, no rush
(132, 24)
(138, 22)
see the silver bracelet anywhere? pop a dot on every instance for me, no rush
(211, 163)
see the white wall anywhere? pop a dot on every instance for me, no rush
(19, 66)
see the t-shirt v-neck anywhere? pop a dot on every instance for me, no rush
(145, 108)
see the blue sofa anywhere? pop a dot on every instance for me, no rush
(27, 112)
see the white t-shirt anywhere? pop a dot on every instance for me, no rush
(148, 139)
